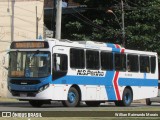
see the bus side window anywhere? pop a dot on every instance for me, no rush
(77, 58)
(153, 64)
(132, 63)
(144, 64)
(92, 60)
(57, 63)
(120, 62)
(60, 62)
(106, 61)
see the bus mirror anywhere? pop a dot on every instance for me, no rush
(5, 67)
(4, 59)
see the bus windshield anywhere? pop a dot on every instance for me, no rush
(29, 64)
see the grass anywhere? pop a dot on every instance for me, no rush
(2, 99)
(80, 118)
(109, 108)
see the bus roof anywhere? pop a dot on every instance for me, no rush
(90, 44)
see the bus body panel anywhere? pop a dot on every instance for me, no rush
(95, 85)
(89, 93)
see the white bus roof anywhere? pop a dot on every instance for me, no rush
(91, 45)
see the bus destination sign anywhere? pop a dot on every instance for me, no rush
(29, 45)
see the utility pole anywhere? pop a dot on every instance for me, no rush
(12, 21)
(58, 19)
(36, 24)
(123, 29)
(54, 18)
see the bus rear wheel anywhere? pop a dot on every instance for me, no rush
(118, 103)
(73, 98)
(36, 103)
(93, 103)
(148, 101)
(127, 97)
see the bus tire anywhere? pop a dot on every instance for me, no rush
(93, 103)
(36, 103)
(127, 97)
(73, 98)
(148, 101)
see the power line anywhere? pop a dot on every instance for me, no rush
(133, 3)
(16, 14)
(27, 10)
(20, 1)
(27, 21)
(23, 9)
(25, 29)
(5, 41)
(15, 34)
(20, 29)
(88, 20)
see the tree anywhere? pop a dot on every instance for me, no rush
(142, 25)
(94, 24)
(142, 21)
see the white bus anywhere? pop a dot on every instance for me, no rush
(41, 71)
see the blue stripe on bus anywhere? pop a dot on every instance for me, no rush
(107, 81)
(116, 50)
(113, 46)
(110, 88)
(34, 87)
(137, 82)
(110, 45)
(86, 80)
(89, 80)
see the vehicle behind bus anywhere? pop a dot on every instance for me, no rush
(156, 99)
(149, 101)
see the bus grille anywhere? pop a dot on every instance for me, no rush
(25, 82)
(28, 93)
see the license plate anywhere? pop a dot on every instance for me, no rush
(23, 94)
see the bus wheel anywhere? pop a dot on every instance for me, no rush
(36, 103)
(93, 103)
(127, 97)
(73, 99)
(148, 101)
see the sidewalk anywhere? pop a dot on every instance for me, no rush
(7, 100)
(15, 100)
(139, 101)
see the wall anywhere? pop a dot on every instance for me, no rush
(17, 22)
(49, 3)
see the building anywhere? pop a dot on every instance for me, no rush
(49, 3)
(49, 13)
(17, 22)
(22, 20)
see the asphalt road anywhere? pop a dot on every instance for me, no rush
(57, 106)
(56, 110)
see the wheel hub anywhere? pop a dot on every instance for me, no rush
(71, 97)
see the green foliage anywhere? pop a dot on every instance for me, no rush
(142, 23)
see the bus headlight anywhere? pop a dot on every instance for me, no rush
(46, 86)
(43, 87)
